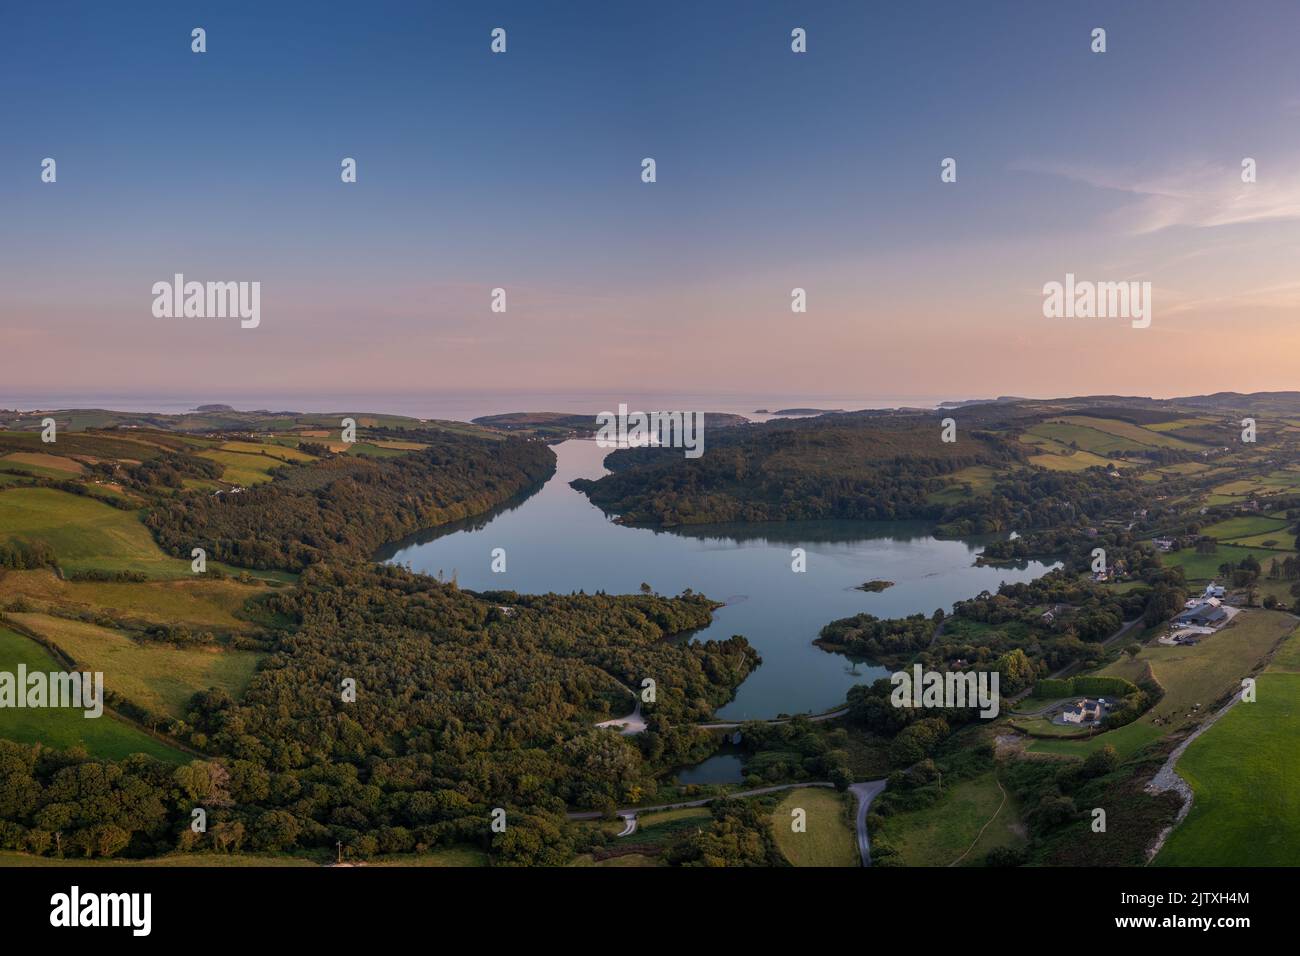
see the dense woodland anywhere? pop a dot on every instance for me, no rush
(849, 466)
(347, 506)
(836, 467)
(460, 707)
(468, 702)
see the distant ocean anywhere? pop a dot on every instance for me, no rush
(464, 406)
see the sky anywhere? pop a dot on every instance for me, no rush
(774, 170)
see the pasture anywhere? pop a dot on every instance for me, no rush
(829, 839)
(939, 835)
(159, 677)
(61, 728)
(85, 534)
(1246, 810)
(1194, 679)
(199, 602)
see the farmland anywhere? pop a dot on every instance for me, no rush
(102, 736)
(828, 840)
(159, 677)
(1194, 678)
(950, 831)
(1242, 771)
(85, 534)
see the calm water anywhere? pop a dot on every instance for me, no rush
(555, 540)
(720, 768)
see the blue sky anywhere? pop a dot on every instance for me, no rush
(775, 170)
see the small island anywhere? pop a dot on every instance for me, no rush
(876, 585)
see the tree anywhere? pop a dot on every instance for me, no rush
(1101, 761)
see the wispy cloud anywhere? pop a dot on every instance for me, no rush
(1195, 195)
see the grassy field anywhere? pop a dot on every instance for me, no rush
(1205, 567)
(1099, 436)
(1201, 674)
(1194, 678)
(49, 466)
(939, 835)
(965, 484)
(1243, 772)
(1245, 526)
(1127, 740)
(62, 728)
(239, 468)
(1138, 434)
(281, 453)
(200, 602)
(374, 450)
(85, 534)
(1073, 461)
(829, 840)
(158, 677)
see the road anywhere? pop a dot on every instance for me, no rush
(633, 811)
(634, 723)
(865, 793)
(815, 718)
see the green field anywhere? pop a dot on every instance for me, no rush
(375, 450)
(1282, 540)
(941, 834)
(1194, 678)
(1205, 567)
(1099, 436)
(85, 534)
(1127, 740)
(198, 601)
(239, 468)
(159, 677)
(829, 840)
(281, 453)
(1071, 461)
(1245, 526)
(1243, 773)
(62, 728)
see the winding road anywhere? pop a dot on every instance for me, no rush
(864, 792)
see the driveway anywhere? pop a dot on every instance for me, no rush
(865, 792)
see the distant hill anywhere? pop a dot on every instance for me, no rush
(561, 424)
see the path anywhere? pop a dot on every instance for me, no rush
(633, 723)
(865, 793)
(1167, 778)
(633, 811)
(986, 823)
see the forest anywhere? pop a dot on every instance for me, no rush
(347, 506)
(463, 703)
